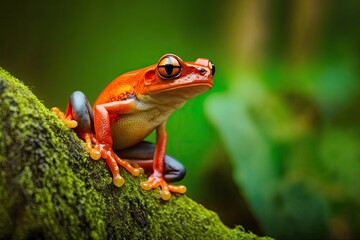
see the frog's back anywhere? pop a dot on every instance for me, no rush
(119, 89)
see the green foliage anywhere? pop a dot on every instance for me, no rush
(293, 155)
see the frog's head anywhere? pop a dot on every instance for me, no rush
(173, 78)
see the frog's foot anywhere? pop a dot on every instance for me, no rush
(155, 181)
(113, 161)
(67, 120)
(89, 140)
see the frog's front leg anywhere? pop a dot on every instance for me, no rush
(157, 177)
(104, 139)
(95, 129)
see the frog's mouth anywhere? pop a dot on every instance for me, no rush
(184, 84)
(181, 92)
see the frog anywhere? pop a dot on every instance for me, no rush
(131, 107)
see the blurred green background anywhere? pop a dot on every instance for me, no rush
(274, 146)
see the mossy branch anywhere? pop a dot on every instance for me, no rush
(50, 189)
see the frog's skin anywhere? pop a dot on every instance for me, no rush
(129, 109)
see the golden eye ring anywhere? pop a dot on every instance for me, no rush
(169, 67)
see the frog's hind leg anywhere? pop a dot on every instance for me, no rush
(79, 115)
(142, 155)
(81, 111)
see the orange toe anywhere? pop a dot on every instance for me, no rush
(178, 189)
(69, 122)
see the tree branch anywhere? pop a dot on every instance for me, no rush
(51, 189)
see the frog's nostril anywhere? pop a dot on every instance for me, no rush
(212, 69)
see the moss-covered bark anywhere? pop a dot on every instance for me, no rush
(51, 189)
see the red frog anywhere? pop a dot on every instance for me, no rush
(129, 109)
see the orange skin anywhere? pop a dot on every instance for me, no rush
(135, 104)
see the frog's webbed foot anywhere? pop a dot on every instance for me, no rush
(156, 180)
(90, 139)
(113, 161)
(105, 151)
(67, 120)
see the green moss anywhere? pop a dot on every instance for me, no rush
(51, 189)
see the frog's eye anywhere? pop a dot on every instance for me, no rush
(169, 67)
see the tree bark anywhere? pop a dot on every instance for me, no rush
(51, 189)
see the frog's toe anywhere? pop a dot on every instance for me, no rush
(95, 154)
(118, 180)
(56, 110)
(146, 185)
(137, 171)
(165, 194)
(69, 122)
(177, 189)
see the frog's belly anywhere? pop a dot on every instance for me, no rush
(131, 129)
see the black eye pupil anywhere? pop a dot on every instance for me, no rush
(169, 68)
